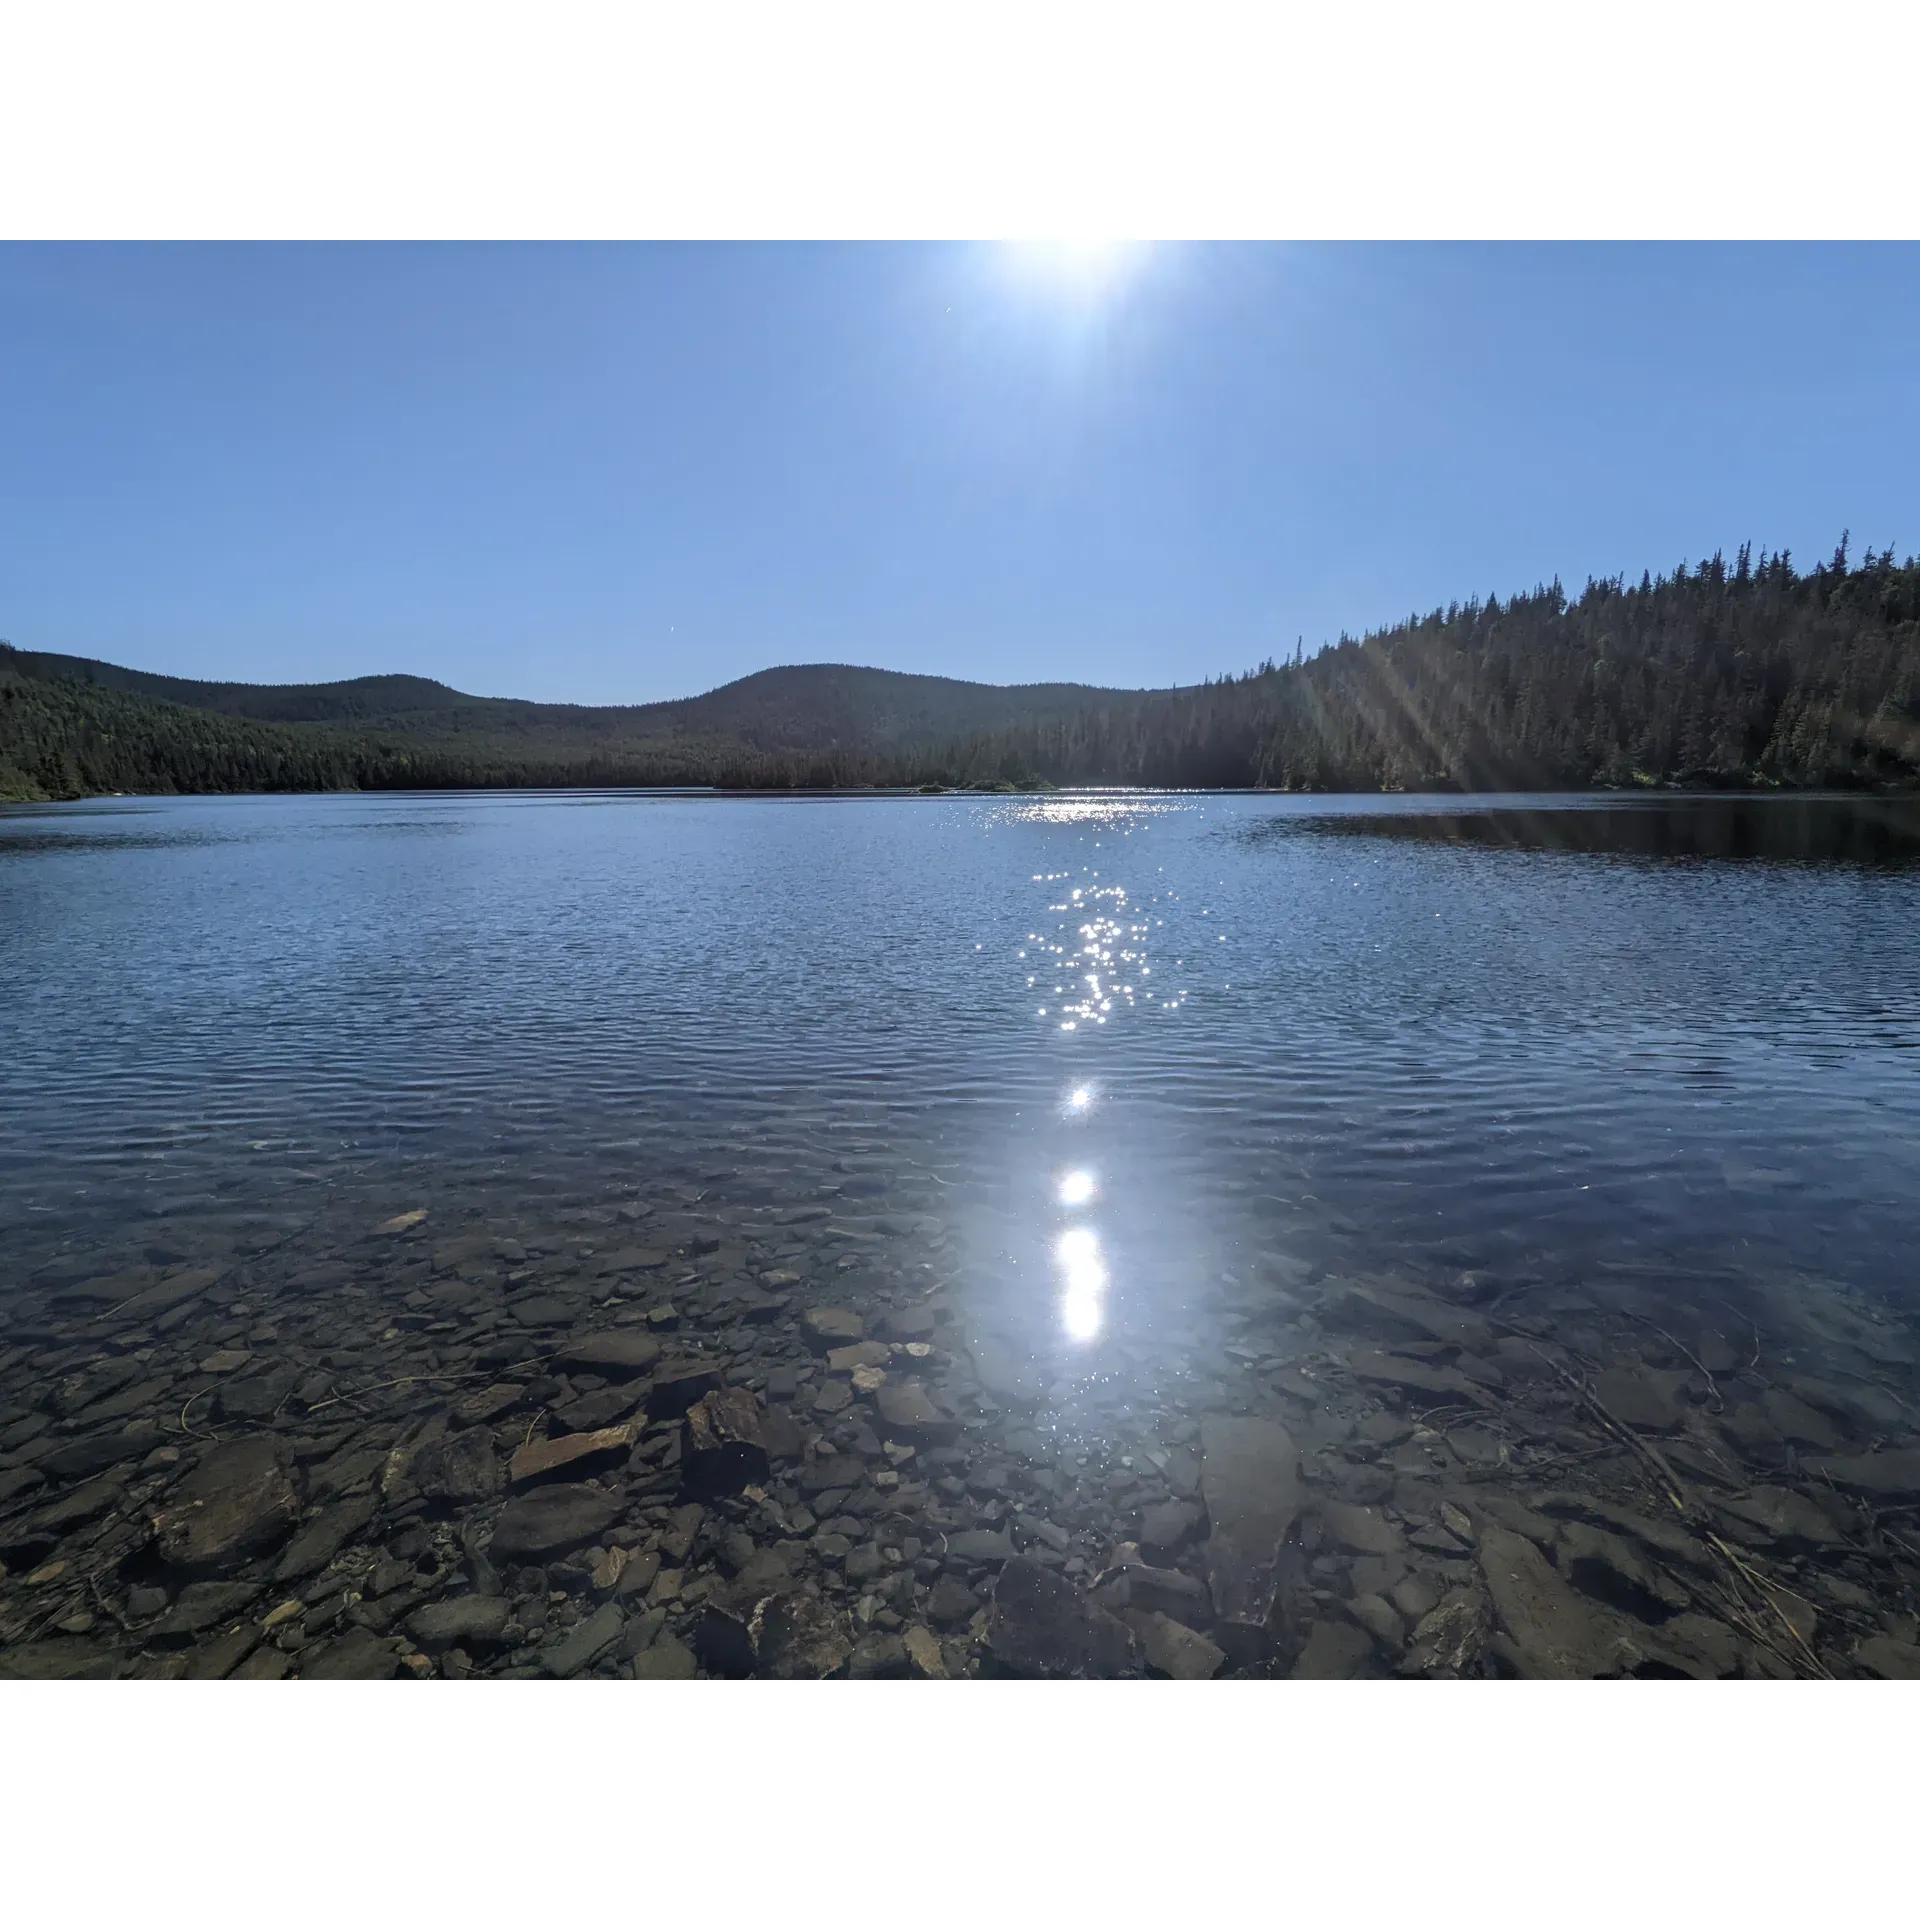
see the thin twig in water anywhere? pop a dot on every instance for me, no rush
(1574, 1459)
(408, 1380)
(1669, 1480)
(188, 1408)
(1682, 1352)
(1677, 1493)
(107, 1606)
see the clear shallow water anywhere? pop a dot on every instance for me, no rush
(1136, 1088)
(1457, 1053)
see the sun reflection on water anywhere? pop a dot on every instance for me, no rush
(1099, 951)
(1083, 1283)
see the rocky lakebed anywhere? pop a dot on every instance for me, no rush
(701, 1431)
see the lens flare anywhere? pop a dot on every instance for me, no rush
(1080, 1099)
(1076, 1188)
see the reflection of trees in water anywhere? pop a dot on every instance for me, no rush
(1850, 831)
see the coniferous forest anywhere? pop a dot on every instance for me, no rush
(1738, 674)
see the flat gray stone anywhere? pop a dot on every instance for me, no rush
(666, 1659)
(1653, 1402)
(1891, 1659)
(1166, 1590)
(324, 1537)
(615, 1354)
(1432, 1319)
(803, 1637)
(58, 1660)
(239, 1501)
(1361, 1529)
(1798, 1422)
(979, 1547)
(1893, 1473)
(951, 1603)
(825, 1328)
(1451, 1636)
(1177, 1651)
(458, 1470)
(1002, 1373)
(1417, 1379)
(1250, 1482)
(1556, 1634)
(909, 1415)
(87, 1503)
(203, 1606)
(470, 1619)
(357, 1655)
(549, 1520)
(1788, 1516)
(1042, 1626)
(585, 1644)
(1335, 1650)
(537, 1310)
(1169, 1526)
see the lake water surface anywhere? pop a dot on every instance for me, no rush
(1128, 1091)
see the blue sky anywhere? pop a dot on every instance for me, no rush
(630, 473)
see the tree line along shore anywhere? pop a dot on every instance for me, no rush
(1742, 674)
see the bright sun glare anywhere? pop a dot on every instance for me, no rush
(1082, 272)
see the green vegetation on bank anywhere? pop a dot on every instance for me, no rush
(1737, 675)
(1732, 675)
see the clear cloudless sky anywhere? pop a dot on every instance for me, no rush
(623, 473)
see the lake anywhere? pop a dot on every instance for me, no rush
(1269, 1233)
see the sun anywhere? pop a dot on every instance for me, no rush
(1081, 272)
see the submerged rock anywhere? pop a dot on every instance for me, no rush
(666, 1659)
(470, 1620)
(1250, 1483)
(238, 1502)
(1450, 1640)
(726, 1447)
(585, 1644)
(543, 1459)
(1787, 1516)
(1043, 1627)
(1417, 1379)
(1361, 1529)
(551, 1519)
(324, 1537)
(1176, 1650)
(1895, 1473)
(802, 1637)
(1651, 1401)
(1554, 1633)
(1334, 1651)
(909, 1415)
(614, 1354)
(357, 1655)
(1889, 1658)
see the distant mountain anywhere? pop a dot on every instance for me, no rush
(808, 709)
(71, 726)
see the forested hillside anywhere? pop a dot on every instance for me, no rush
(1723, 675)
(812, 709)
(1734, 675)
(61, 738)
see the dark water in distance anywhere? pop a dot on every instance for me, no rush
(1541, 1033)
